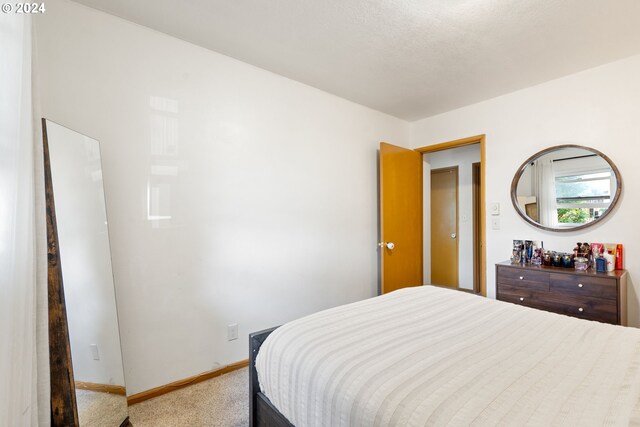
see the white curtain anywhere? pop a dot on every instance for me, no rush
(546, 184)
(23, 395)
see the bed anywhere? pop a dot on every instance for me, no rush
(433, 356)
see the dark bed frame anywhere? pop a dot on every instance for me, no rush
(262, 413)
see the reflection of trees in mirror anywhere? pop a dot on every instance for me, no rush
(579, 215)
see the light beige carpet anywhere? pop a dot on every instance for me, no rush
(222, 401)
(100, 409)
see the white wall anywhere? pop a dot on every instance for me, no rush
(234, 194)
(463, 157)
(21, 291)
(596, 108)
(85, 258)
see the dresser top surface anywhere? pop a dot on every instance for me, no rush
(590, 272)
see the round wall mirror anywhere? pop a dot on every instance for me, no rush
(566, 188)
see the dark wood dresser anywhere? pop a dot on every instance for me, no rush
(584, 294)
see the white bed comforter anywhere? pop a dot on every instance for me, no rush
(431, 356)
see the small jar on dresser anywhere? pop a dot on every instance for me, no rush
(584, 294)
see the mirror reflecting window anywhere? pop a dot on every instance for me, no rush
(565, 188)
(85, 260)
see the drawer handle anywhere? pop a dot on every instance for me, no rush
(521, 277)
(521, 299)
(580, 309)
(579, 285)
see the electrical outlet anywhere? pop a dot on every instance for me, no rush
(94, 352)
(232, 332)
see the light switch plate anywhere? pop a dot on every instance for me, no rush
(494, 208)
(495, 223)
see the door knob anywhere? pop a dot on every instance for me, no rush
(453, 235)
(388, 245)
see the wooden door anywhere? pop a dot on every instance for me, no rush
(444, 227)
(400, 217)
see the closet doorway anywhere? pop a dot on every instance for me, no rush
(453, 214)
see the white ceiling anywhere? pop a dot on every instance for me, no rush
(408, 58)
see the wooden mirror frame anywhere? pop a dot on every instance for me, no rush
(64, 406)
(64, 410)
(520, 171)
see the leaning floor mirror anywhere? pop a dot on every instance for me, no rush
(87, 375)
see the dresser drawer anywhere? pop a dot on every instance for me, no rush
(590, 308)
(525, 279)
(518, 295)
(580, 285)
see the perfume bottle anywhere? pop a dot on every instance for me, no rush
(601, 263)
(528, 246)
(537, 256)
